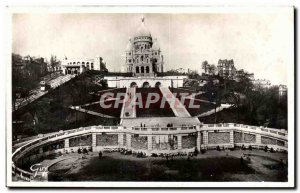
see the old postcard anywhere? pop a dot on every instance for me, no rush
(150, 97)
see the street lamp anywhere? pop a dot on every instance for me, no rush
(76, 108)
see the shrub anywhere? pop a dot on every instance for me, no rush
(250, 147)
(272, 150)
(266, 148)
(154, 155)
(218, 148)
(79, 150)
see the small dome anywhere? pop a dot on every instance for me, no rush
(129, 46)
(143, 30)
(155, 45)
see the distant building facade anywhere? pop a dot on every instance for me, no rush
(262, 83)
(143, 54)
(80, 65)
(143, 63)
(31, 66)
(282, 89)
(226, 69)
(241, 74)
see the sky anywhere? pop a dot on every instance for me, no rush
(261, 43)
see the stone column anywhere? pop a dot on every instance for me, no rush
(198, 140)
(149, 138)
(128, 140)
(205, 138)
(231, 139)
(121, 139)
(179, 141)
(94, 140)
(286, 144)
(243, 137)
(67, 143)
(258, 139)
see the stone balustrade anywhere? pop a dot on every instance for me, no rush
(177, 138)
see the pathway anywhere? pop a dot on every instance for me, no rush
(128, 109)
(78, 108)
(223, 106)
(178, 108)
(37, 93)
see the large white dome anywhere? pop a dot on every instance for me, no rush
(143, 30)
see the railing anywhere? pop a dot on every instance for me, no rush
(164, 128)
(237, 126)
(27, 176)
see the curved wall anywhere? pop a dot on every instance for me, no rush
(149, 140)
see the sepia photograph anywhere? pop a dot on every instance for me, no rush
(150, 96)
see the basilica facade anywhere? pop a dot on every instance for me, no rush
(143, 54)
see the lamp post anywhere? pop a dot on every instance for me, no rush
(76, 108)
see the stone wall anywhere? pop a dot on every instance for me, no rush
(189, 141)
(85, 140)
(249, 138)
(237, 137)
(107, 140)
(139, 142)
(218, 138)
(268, 141)
(54, 146)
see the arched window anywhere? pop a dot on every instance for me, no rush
(142, 69)
(142, 58)
(147, 69)
(146, 85)
(74, 62)
(157, 84)
(133, 84)
(137, 69)
(82, 62)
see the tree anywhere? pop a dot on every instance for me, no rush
(211, 69)
(205, 66)
(54, 62)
